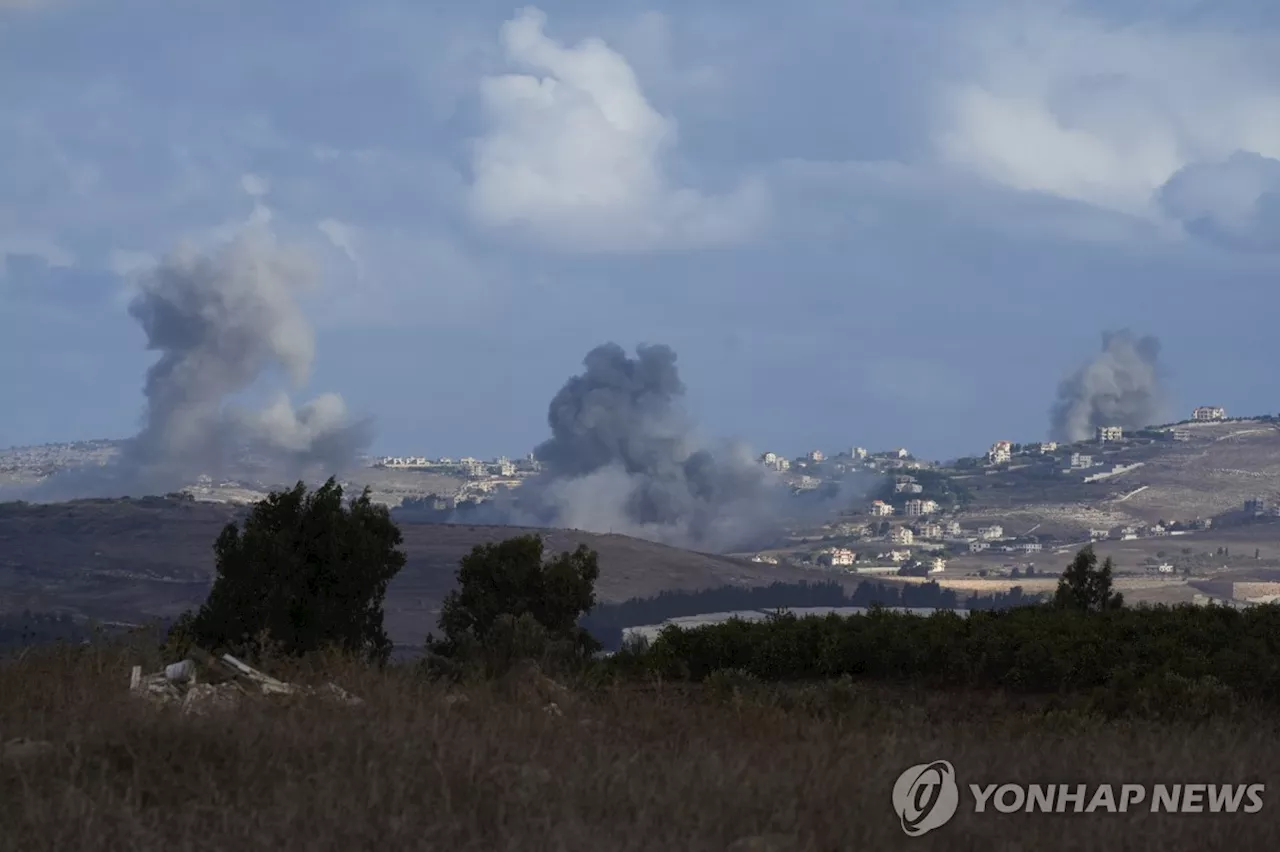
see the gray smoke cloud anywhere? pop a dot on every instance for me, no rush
(221, 321)
(1121, 386)
(624, 457)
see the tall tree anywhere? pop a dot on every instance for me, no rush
(308, 569)
(1085, 586)
(511, 578)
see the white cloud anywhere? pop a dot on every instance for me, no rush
(575, 156)
(1106, 114)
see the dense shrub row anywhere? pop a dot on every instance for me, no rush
(1124, 652)
(606, 622)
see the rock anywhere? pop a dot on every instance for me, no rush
(553, 709)
(455, 698)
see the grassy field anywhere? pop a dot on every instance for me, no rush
(638, 767)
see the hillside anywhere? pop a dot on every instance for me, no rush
(127, 559)
(1212, 472)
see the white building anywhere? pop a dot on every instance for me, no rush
(1001, 452)
(1109, 433)
(881, 509)
(1208, 413)
(1081, 460)
(978, 546)
(901, 535)
(991, 533)
(915, 508)
(815, 456)
(937, 565)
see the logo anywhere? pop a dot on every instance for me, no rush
(926, 797)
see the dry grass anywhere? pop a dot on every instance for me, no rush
(624, 768)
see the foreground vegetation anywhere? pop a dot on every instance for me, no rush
(621, 767)
(789, 731)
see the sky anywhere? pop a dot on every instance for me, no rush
(875, 222)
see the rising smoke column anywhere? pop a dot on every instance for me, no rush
(624, 457)
(1120, 387)
(221, 321)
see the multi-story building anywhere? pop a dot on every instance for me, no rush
(1109, 433)
(929, 529)
(936, 565)
(978, 546)
(881, 509)
(1001, 452)
(901, 535)
(1047, 447)
(915, 508)
(1207, 413)
(859, 453)
(991, 533)
(815, 456)
(1081, 460)
(952, 528)
(838, 556)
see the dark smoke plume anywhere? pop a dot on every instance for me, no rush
(221, 321)
(1120, 387)
(623, 457)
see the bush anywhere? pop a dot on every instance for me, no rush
(511, 604)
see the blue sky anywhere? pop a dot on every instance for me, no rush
(870, 223)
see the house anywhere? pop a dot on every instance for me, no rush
(991, 533)
(1001, 452)
(902, 453)
(769, 459)
(881, 509)
(1209, 413)
(901, 535)
(859, 453)
(1109, 433)
(978, 546)
(1255, 506)
(936, 565)
(837, 556)
(929, 530)
(1047, 447)
(1128, 533)
(952, 528)
(1202, 523)
(1080, 460)
(815, 456)
(1099, 535)
(1158, 530)
(1164, 568)
(1029, 546)
(915, 508)
(765, 558)
(899, 555)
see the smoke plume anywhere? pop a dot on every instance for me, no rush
(221, 321)
(624, 457)
(1120, 387)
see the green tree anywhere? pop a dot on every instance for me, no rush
(1085, 586)
(307, 571)
(510, 579)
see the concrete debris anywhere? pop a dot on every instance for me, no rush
(553, 709)
(204, 683)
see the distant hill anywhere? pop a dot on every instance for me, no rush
(1208, 472)
(123, 560)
